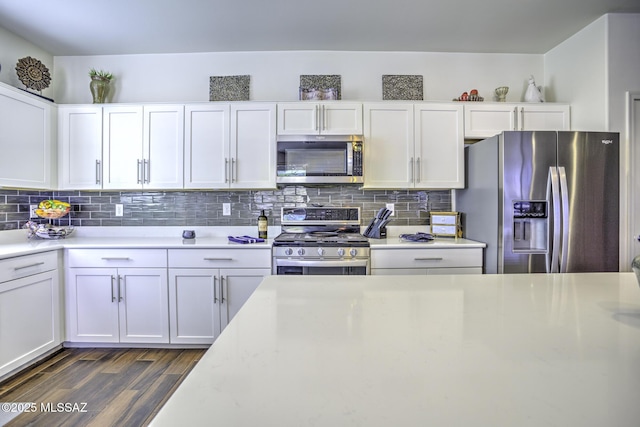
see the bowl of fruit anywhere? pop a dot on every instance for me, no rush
(472, 95)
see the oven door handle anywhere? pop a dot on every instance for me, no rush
(321, 263)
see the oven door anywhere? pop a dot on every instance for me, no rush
(343, 267)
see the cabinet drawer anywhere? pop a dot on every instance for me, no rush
(426, 258)
(117, 257)
(220, 258)
(27, 265)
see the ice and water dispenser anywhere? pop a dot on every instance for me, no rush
(530, 225)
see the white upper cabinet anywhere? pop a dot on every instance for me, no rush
(80, 147)
(319, 118)
(253, 145)
(230, 146)
(483, 120)
(27, 140)
(162, 147)
(388, 145)
(439, 146)
(206, 142)
(413, 145)
(143, 147)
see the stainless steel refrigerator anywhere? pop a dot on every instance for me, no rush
(544, 201)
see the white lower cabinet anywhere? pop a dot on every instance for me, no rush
(30, 306)
(207, 287)
(426, 261)
(117, 296)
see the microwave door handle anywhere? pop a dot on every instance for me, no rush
(349, 160)
(553, 194)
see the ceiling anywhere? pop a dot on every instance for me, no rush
(92, 27)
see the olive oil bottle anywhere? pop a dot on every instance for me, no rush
(263, 224)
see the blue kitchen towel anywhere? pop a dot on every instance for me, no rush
(245, 239)
(418, 237)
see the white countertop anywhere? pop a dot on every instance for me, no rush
(15, 242)
(468, 350)
(395, 242)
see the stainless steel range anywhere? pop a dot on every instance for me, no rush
(321, 241)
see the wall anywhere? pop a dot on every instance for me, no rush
(275, 75)
(576, 70)
(14, 48)
(204, 208)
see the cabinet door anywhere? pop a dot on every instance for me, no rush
(122, 147)
(439, 146)
(253, 146)
(194, 311)
(80, 143)
(144, 305)
(26, 128)
(341, 118)
(485, 120)
(388, 145)
(237, 285)
(206, 146)
(163, 143)
(298, 118)
(544, 117)
(92, 305)
(29, 319)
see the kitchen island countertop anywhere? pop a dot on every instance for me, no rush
(467, 350)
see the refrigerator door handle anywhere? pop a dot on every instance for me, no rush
(564, 193)
(553, 193)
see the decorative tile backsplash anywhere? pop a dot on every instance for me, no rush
(204, 208)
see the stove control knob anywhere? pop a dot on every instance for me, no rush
(320, 251)
(340, 251)
(353, 252)
(288, 252)
(301, 251)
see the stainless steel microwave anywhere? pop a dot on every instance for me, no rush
(318, 159)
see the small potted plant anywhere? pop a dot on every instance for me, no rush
(99, 85)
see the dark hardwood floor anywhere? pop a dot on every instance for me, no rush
(98, 387)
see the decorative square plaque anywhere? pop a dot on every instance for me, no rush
(322, 81)
(402, 87)
(229, 88)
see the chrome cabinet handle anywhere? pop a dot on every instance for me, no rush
(316, 125)
(98, 171)
(234, 170)
(418, 171)
(147, 171)
(429, 259)
(324, 119)
(218, 259)
(226, 170)
(113, 295)
(215, 289)
(139, 166)
(413, 172)
(27, 266)
(522, 118)
(120, 280)
(222, 289)
(515, 118)
(115, 258)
